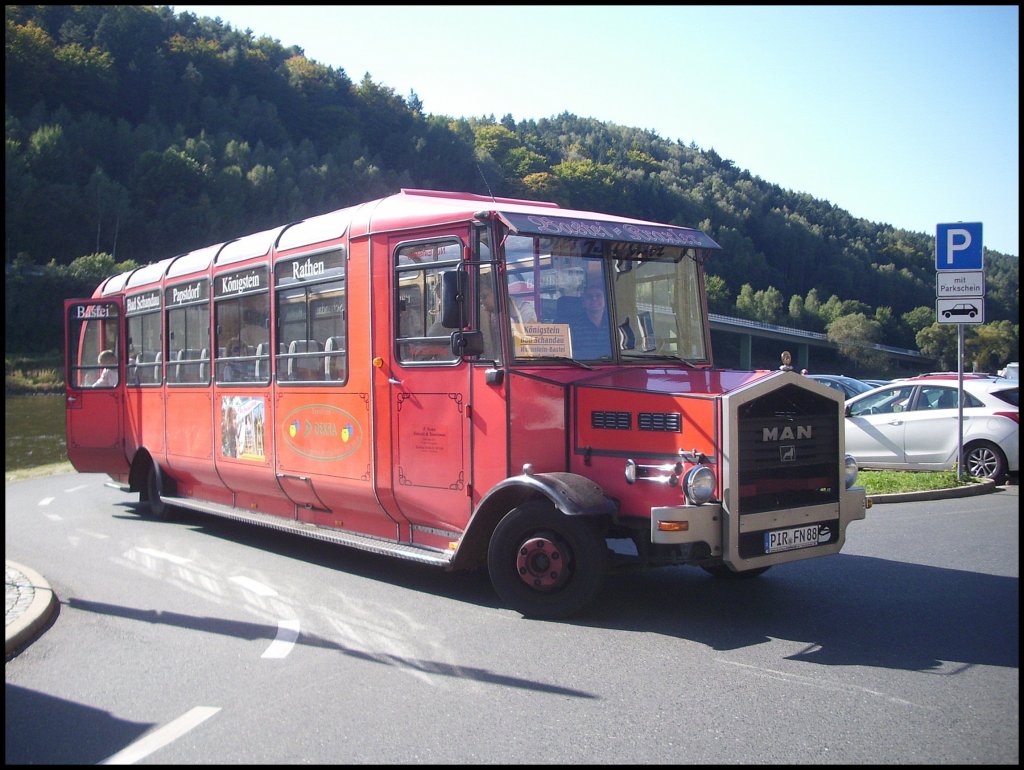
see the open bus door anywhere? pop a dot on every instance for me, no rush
(429, 397)
(94, 375)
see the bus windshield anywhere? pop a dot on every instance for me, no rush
(597, 300)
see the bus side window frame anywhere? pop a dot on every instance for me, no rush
(417, 266)
(144, 361)
(311, 319)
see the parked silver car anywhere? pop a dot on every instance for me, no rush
(911, 425)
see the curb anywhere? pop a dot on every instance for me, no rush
(970, 490)
(28, 623)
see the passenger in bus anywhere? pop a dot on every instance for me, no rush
(108, 376)
(521, 310)
(489, 318)
(234, 370)
(589, 329)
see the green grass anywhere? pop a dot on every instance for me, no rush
(895, 482)
(41, 374)
(40, 470)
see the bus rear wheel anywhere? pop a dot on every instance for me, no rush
(545, 564)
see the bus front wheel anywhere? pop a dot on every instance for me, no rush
(153, 499)
(545, 564)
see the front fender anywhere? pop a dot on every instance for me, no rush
(569, 493)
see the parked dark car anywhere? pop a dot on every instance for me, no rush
(848, 386)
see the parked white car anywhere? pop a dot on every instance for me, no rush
(912, 425)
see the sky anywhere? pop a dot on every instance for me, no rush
(902, 115)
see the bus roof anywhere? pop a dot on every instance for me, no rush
(415, 207)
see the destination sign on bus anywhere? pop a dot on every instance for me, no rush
(534, 340)
(328, 265)
(241, 283)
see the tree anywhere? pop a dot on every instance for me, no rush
(768, 305)
(854, 335)
(919, 318)
(796, 309)
(989, 345)
(718, 295)
(939, 341)
(745, 304)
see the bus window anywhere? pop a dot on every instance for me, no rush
(144, 357)
(242, 324)
(188, 332)
(420, 335)
(312, 323)
(188, 344)
(93, 334)
(311, 319)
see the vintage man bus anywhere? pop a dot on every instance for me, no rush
(463, 381)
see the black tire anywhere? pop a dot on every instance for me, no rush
(722, 571)
(985, 460)
(152, 498)
(545, 564)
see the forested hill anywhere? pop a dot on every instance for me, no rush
(137, 133)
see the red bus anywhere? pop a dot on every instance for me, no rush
(463, 381)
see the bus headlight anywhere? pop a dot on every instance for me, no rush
(850, 470)
(699, 484)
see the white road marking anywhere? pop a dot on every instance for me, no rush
(46, 501)
(287, 633)
(821, 684)
(255, 586)
(160, 737)
(75, 489)
(54, 517)
(90, 533)
(165, 556)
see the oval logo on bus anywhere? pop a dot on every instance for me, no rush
(322, 432)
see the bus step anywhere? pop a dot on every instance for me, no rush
(340, 537)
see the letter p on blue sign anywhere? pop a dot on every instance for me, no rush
(958, 246)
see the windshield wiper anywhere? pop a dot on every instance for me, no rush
(659, 357)
(570, 360)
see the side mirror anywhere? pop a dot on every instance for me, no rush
(454, 286)
(467, 343)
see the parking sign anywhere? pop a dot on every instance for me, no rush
(958, 246)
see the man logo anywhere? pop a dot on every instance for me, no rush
(787, 454)
(787, 433)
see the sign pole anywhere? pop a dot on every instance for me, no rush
(960, 403)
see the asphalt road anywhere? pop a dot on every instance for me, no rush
(204, 641)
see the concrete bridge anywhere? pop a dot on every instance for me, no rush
(800, 343)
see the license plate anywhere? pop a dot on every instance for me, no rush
(790, 539)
